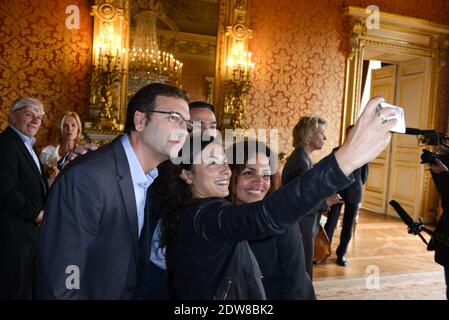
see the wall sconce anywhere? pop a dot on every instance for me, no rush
(106, 74)
(239, 67)
(237, 85)
(107, 70)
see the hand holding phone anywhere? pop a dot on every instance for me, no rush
(398, 114)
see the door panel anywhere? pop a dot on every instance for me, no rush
(376, 188)
(406, 178)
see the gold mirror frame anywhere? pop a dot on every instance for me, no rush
(123, 22)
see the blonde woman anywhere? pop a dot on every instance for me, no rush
(67, 133)
(308, 136)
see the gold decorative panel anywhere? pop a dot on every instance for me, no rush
(40, 57)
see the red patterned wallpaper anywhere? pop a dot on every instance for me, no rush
(40, 57)
(299, 51)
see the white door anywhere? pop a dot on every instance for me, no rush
(406, 173)
(397, 173)
(383, 84)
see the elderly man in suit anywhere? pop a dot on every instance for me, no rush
(22, 197)
(98, 207)
(352, 197)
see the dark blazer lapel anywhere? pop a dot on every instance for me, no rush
(29, 158)
(127, 191)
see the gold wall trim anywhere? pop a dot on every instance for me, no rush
(189, 43)
(224, 9)
(402, 35)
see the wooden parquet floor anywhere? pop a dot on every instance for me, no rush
(383, 247)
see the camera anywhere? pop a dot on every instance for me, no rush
(430, 157)
(431, 138)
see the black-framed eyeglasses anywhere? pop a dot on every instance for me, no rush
(176, 118)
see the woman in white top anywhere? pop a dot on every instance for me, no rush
(67, 133)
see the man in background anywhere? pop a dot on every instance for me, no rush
(203, 116)
(22, 198)
(352, 198)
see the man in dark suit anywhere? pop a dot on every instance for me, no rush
(97, 208)
(352, 197)
(22, 198)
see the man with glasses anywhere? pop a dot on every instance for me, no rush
(22, 197)
(89, 246)
(155, 278)
(154, 283)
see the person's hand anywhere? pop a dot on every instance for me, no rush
(79, 151)
(367, 139)
(52, 171)
(39, 217)
(439, 167)
(333, 199)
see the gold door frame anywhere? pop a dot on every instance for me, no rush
(401, 35)
(415, 37)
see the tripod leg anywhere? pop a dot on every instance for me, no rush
(422, 238)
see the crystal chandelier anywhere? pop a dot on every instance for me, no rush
(147, 63)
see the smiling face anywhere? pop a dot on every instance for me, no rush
(253, 182)
(70, 128)
(27, 120)
(210, 175)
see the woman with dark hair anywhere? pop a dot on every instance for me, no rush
(208, 254)
(280, 257)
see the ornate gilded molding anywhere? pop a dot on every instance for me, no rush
(402, 47)
(357, 31)
(110, 20)
(220, 64)
(401, 35)
(106, 11)
(188, 43)
(238, 73)
(233, 19)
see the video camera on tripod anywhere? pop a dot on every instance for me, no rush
(431, 138)
(416, 228)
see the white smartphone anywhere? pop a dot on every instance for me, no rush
(399, 114)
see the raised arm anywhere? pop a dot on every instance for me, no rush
(220, 221)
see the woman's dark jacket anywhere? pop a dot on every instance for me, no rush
(210, 257)
(281, 260)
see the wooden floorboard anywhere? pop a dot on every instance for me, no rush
(383, 245)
